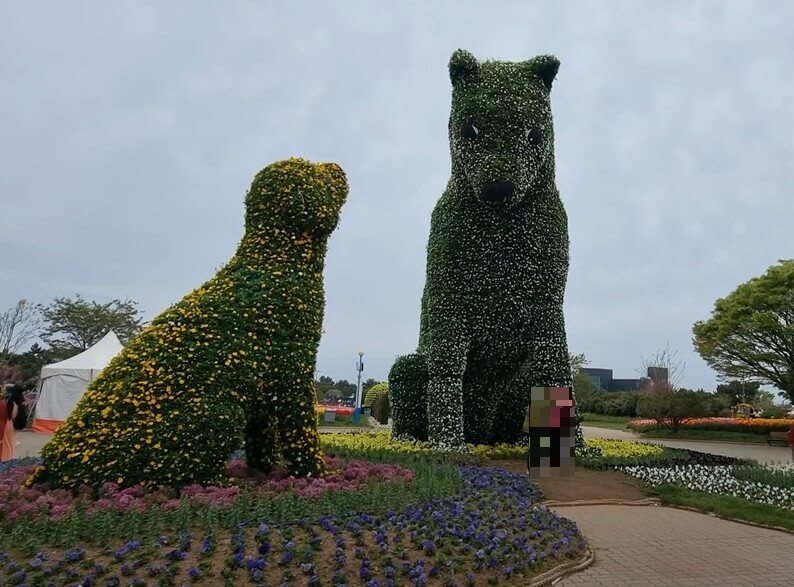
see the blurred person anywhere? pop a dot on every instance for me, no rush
(12, 418)
(791, 440)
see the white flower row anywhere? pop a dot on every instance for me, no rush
(787, 468)
(717, 480)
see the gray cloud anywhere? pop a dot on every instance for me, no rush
(131, 132)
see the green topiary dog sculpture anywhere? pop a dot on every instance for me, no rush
(492, 322)
(234, 358)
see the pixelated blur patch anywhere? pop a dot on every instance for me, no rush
(552, 432)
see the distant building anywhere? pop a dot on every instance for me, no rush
(658, 374)
(604, 379)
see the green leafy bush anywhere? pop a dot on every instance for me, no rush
(609, 403)
(380, 408)
(375, 391)
(773, 412)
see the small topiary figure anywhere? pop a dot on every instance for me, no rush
(235, 357)
(492, 322)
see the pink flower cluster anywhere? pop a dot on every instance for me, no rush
(17, 501)
(342, 476)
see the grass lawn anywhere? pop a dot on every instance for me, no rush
(601, 421)
(718, 435)
(733, 507)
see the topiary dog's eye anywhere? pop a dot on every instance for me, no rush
(470, 131)
(534, 136)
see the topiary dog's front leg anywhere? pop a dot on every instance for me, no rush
(261, 437)
(446, 365)
(299, 439)
(547, 365)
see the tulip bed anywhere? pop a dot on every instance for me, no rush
(757, 425)
(320, 409)
(390, 513)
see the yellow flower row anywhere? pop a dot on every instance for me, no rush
(624, 448)
(368, 441)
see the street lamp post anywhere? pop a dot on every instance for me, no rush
(359, 368)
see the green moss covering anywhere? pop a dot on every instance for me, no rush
(234, 358)
(492, 322)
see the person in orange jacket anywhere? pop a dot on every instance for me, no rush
(8, 411)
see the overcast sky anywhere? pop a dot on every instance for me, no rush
(130, 131)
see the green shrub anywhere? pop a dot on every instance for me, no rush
(622, 403)
(773, 412)
(380, 408)
(610, 403)
(374, 392)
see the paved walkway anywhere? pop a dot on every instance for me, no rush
(659, 546)
(30, 443)
(759, 452)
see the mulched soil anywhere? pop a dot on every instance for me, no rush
(585, 485)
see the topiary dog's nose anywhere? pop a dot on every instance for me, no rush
(499, 191)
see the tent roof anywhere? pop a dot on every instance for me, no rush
(96, 357)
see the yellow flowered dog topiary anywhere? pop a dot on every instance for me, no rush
(235, 358)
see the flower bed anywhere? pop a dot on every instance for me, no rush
(18, 502)
(377, 444)
(492, 530)
(722, 480)
(615, 454)
(37, 515)
(340, 410)
(625, 448)
(758, 425)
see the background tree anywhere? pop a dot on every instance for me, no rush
(25, 367)
(322, 386)
(9, 372)
(751, 331)
(670, 408)
(583, 385)
(577, 362)
(73, 325)
(347, 389)
(18, 326)
(740, 392)
(334, 394)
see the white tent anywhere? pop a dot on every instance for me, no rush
(62, 384)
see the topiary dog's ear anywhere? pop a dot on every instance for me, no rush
(336, 179)
(546, 68)
(462, 66)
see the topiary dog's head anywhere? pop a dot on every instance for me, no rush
(296, 196)
(500, 127)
